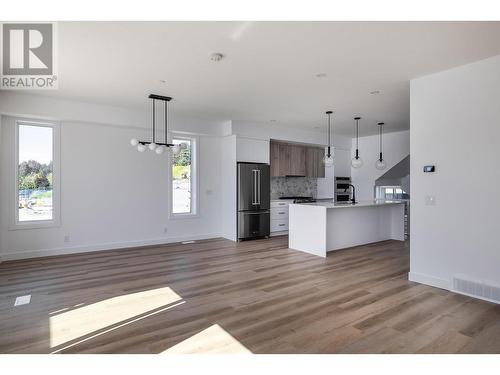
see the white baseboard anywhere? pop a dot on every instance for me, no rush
(429, 280)
(100, 247)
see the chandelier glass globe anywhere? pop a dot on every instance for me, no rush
(328, 161)
(141, 147)
(134, 142)
(160, 149)
(380, 164)
(152, 146)
(357, 162)
(176, 149)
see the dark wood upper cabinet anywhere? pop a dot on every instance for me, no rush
(284, 159)
(297, 160)
(289, 159)
(275, 160)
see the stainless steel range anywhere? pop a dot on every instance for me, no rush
(300, 199)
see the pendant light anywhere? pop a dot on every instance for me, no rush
(356, 161)
(328, 159)
(380, 164)
(157, 147)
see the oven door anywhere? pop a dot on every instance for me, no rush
(342, 197)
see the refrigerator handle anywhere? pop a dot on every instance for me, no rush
(258, 186)
(254, 186)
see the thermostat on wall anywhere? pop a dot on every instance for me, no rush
(429, 168)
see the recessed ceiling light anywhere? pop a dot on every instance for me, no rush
(376, 92)
(321, 75)
(216, 57)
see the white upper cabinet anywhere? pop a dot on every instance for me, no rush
(252, 150)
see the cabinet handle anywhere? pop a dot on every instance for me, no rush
(281, 225)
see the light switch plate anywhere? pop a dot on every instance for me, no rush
(23, 300)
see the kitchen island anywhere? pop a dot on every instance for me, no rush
(319, 227)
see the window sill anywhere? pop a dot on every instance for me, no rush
(183, 216)
(34, 225)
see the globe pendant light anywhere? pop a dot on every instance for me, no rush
(157, 147)
(328, 159)
(356, 161)
(380, 164)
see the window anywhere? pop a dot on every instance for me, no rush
(36, 174)
(183, 181)
(391, 192)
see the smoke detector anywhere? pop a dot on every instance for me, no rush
(216, 57)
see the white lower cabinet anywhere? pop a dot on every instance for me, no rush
(279, 217)
(279, 213)
(279, 225)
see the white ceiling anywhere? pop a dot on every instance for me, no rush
(269, 70)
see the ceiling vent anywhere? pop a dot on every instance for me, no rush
(476, 289)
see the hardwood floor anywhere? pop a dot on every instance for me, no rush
(218, 296)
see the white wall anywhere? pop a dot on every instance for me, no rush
(229, 185)
(396, 146)
(112, 196)
(455, 125)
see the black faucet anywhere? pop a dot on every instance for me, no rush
(353, 200)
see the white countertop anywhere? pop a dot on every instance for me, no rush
(349, 205)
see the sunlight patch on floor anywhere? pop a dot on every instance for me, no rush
(85, 320)
(212, 340)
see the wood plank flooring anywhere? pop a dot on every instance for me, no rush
(254, 297)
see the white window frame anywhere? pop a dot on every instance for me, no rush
(194, 179)
(56, 177)
(384, 187)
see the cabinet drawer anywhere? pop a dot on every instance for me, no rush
(279, 225)
(280, 203)
(279, 213)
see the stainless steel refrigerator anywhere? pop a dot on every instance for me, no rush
(254, 200)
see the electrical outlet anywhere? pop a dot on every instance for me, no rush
(430, 200)
(23, 300)
(66, 238)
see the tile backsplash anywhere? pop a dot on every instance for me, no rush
(293, 186)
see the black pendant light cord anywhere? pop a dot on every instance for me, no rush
(380, 124)
(165, 100)
(329, 143)
(357, 136)
(166, 121)
(154, 122)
